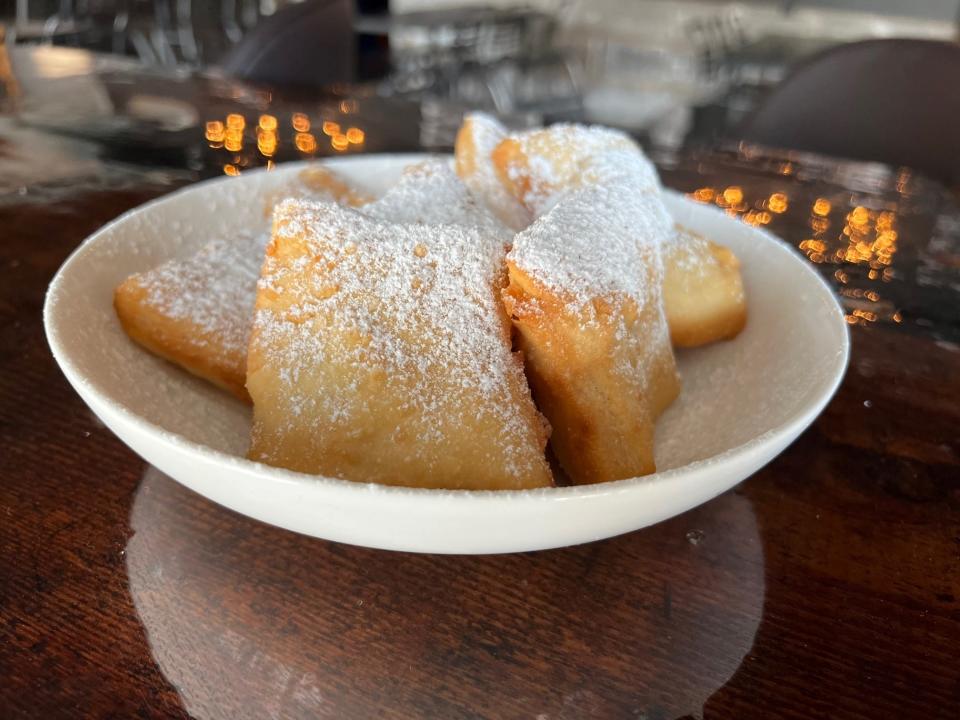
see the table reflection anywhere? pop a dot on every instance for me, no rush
(316, 629)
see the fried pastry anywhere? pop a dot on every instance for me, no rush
(196, 312)
(702, 290)
(430, 193)
(380, 353)
(317, 182)
(584, 296)
(476, 140)
(537, 167)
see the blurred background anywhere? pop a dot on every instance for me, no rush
(198, 88)
(830, 122)
(259, 81)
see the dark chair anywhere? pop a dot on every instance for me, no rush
(890, 101)
(309, 45)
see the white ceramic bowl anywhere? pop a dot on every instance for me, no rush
(742, 403)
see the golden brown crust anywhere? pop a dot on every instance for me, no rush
(356, 373)
(323, 182)
(602, 422)
(179, 340)
(478, 136)
(195, 311)
(585, 295)
(510, 162)
(317, 182)
(703, 294)
(565, 156)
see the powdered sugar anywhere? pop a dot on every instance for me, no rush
(599, 241)
(688, 252)
(598, 236)
(412, 305)
(431, 193)
(565, 156)
(214, 289)
(484, 134)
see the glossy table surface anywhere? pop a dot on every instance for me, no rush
(827, 585)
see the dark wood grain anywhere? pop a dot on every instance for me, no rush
(827, 585)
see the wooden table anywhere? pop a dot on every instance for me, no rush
(827, 585)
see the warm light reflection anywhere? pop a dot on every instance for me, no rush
(885, 220)
(234, 139)
(819, 225)
(236, 122)
(778, 203)
(355, 136)
(300, 122)
(214, 131)
(704, 194)
(868, 239)
(305, 142)
(734, 203)
(814, 249)
(267, 142)
(339, 142)
(267, 122)
(330, 128)
(871, 239)
(867, 315)
(349, 106)
(229, 169)
(859, 217)
(733, 195)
